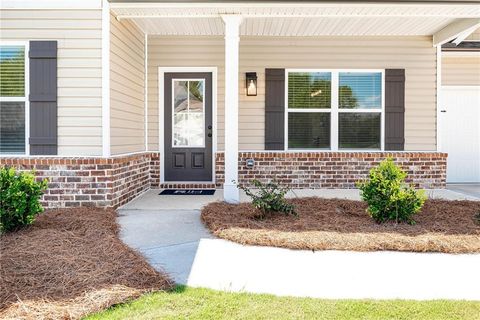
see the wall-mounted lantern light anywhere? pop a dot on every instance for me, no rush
(251, 83)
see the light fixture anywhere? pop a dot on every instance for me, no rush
(251, 83)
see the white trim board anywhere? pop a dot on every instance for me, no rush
(161, 115)
(438, 91)
(25, 98)
(51, 4)
(106, 142)
(146, 91)
(460, 87)
(344, 9)
(69, 156)
(459, 54)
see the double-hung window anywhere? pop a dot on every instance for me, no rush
(335, 109)
(309, 110)
(13, 98)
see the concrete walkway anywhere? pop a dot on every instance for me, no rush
(471, 189)
(167, 230)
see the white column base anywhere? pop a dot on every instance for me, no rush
(231, 194)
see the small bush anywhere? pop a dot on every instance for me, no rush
(269, 198)
(19, 198)
(388, 197)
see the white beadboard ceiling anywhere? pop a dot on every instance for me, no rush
(283, 19)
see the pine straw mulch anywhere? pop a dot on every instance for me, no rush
(68, 264)
(335, 224)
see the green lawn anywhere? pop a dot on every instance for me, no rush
(209, 304)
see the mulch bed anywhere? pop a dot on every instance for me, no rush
(334, 224)
(68, 264)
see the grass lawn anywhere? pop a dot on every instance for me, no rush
(195, 303)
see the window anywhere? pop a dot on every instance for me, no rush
(359, 91)
(188, 113)
(13, 99)
(335, 110)
(309, 104)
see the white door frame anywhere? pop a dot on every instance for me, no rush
(161, 116)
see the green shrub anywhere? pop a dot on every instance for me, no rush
(19, 198)
(269, 198)
(388, 197)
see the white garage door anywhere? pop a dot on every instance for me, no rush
(460, 127)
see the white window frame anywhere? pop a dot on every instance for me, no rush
(188, 99)
(24, 99)
(334, 110)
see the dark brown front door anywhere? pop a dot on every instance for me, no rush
(188, 126)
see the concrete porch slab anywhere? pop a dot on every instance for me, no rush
(151, 200)
(470, 189)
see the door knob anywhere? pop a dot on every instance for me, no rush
(209, 135)
(209, 127)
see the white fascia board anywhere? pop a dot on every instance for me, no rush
(292, 10)
(462, 36)
(51, 4)
(293, 4)
(454, 30)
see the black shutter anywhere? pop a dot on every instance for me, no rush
(394, 109)
(43, 97)
(274, 109)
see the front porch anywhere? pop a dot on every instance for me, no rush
(338, 89)
(152, 200)
(229, 42)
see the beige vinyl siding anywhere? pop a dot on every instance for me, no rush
(415, 54)
(460, 70)
(127, 87)
(183, 52)
(475, 36)
(79, 37)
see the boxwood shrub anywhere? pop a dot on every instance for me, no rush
(19, 198)
(388, 197)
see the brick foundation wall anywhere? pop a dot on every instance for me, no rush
(112, 182)
(105, 182)
(314, 170)
(155, 170)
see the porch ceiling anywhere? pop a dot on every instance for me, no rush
(295, 19)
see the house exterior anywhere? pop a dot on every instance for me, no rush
(108, 99)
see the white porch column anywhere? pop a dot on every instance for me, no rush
(232, 39)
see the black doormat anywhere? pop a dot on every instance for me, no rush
(188, 192)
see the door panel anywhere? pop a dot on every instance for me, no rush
(188, 126)
(461, 133)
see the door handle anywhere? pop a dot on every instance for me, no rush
(209, 135)
(443, 111)
(209, 127)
